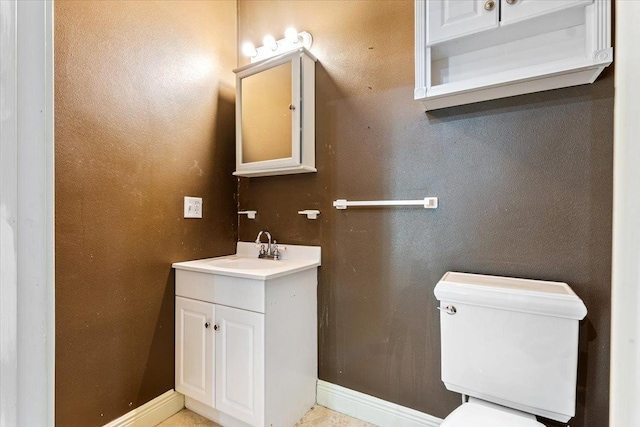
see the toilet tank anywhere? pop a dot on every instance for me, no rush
(511, 341)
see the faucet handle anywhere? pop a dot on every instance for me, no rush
(274, 250)
(262, 250)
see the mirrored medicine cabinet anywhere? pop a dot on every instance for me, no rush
(275, 115)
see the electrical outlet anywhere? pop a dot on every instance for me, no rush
(193, 207)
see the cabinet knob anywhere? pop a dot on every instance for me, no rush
(206, 325)
(511, 1)
(489, 5)
(215, 327)
(292, 107)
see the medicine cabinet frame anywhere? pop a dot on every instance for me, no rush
(302, 107)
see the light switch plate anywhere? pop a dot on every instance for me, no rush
(193, 207)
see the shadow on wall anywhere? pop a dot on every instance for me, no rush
(412, 362)
(162, 347)
(225, 130)
(571, 241)
(532, 101)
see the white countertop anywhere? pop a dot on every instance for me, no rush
(246, 264)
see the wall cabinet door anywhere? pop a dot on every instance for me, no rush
(275, 115)
(240, 364)
(195, 373)
(513, 11)
(448, 19)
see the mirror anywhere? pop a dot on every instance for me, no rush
(275, 115)
(266, 116)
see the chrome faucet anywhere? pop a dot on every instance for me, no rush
(271, 252)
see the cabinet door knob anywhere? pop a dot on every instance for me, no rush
(489, 5)
(292, 107)
(511, 1)
(215, 327)
(206, 325)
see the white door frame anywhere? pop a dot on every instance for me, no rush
(625, 292)
(26, 214)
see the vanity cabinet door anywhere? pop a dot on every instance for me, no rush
(448, 19)
(240, 364)
(195, 349)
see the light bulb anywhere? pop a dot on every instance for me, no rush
(269, 42)
(291, 34)
(249, 50)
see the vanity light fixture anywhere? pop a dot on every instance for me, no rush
(271, 47)
(291, 34)
(270, 42)
(248, 49)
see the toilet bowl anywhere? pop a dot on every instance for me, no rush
(478, 413)
(511, 345)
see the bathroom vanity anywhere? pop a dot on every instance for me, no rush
(246, 336)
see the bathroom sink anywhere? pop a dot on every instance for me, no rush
(245, 263)
(239, 263)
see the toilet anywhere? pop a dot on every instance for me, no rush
(510, 346)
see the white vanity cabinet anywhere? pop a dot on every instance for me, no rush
(246, 336)
(239, 364)
(195, 349)
(475, 50)
(219, 354)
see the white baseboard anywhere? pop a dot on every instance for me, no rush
(371, 409)
(151, 413)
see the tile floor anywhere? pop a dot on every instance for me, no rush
(318, 416)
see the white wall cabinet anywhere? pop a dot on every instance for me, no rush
(512, 11)
(469, 50)
(275, 115)
(246, 340)
(450, 19)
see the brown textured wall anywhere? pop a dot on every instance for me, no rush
(525, 188)
(144, 116)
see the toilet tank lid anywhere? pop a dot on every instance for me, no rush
(523, 295)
